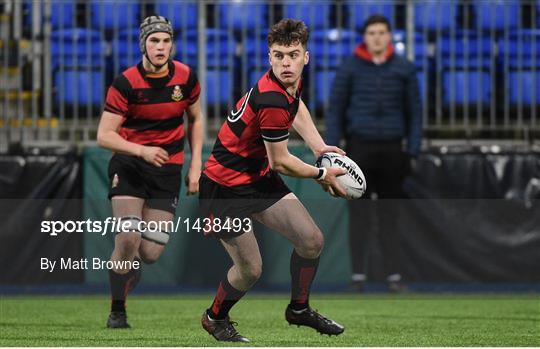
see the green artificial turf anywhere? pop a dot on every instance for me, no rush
(409, 320)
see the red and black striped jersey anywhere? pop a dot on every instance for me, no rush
(153, 108)
(266, 112)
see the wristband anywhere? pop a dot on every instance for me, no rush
(322, 174)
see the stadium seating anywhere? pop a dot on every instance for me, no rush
(521, 49)
(126, 49)
(73, 86)
(315, 15)
(255, 73)
(218, 86)
(329, 46)
(111, 15)
(76, 47)
(63, 14)
(497, 14)
(520, 53)
(465, 50)
(358, 11)
(524, 86)
(182, 14)
(186, 47)
(422, 49)
(240, 14)
(435, 15)
(256, 48)
(220, 55)
(466, 87)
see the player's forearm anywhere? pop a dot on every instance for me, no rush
(292, 166)
(195, 139)
(113, 141)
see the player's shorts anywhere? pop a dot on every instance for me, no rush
(219, 201)
(132, 176)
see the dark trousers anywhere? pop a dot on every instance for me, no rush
(385, 167)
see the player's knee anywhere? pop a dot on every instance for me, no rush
(251, 273)
(312, 245)
(149, 258)
(150, 252)
(127, 244)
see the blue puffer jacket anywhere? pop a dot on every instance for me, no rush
(375, 102)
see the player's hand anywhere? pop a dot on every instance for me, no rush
(329, 149)
(330, 182)
(192, 180)
(327, 188)
(156, 156)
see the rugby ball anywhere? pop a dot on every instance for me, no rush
(353, 181)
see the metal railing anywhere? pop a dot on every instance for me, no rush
(477, 61)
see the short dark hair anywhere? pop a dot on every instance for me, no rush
(376, 18)
(288, 32)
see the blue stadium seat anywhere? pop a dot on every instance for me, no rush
(220, 47)
(529, 83)
(328, 47)
(187, 47)
(255, 73)
(358, 11)
(399, 40)
(463, 87)
(63, 13)
(76, 47)
(255, 53)
(422, 52)
(115, 14)
(242, 13)
(522, 49)
(435, 14)
(220, 50)
(218, 86)
(126, 48)
(465, 49)
(520, 52)
(257, 47)
(182, 14)
(75, 85)
(323, 84)
(497, 14)
(315, 15)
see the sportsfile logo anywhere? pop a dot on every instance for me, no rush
(110, 224)
(118, 225)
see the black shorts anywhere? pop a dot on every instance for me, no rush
(159, 186)
(219, 201)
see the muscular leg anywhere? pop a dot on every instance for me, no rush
(125, 249)
(126, 245)
(246, 270)
(291, 219)
(152, 245)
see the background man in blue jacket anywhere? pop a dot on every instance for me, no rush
(375, 105)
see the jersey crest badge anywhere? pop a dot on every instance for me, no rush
(177, 94)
